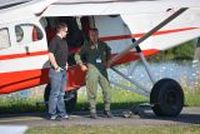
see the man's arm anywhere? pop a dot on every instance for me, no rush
(108, 54)
(53, 60)
(78, 58)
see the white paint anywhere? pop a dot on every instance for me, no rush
(135, 17)
(8, 129)
(22, 64)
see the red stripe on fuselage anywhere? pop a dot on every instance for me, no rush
(20, 80)
(139, 35)
(108, 38)
(22, 55)
(16, 81)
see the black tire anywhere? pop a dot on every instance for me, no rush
(167, 98)
(46, 94)
(70, 99)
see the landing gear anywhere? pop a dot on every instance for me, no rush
(167, 98)
(70, 99)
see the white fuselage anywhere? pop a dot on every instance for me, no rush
(118, 23)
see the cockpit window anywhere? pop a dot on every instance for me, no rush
(27, 33)
(4, 38)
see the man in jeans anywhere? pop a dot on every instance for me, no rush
(58, 55)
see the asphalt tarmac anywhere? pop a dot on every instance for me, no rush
(144, 116)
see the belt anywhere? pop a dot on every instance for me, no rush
(59, 67)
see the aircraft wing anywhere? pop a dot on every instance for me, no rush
(5, 3)
(14, 10)
(106, 7)
(24, 9)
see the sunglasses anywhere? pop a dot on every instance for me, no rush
(65, 31)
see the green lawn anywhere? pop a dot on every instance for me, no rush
(192, 96)
(120, 99)
(116, 130)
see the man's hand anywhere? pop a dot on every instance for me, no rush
(67, 66)
(108, 64)
(83, 67)
(58, 69)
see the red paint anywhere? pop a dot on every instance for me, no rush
(22, 55)
(139, 35)
(16, 81)
(131, 56)
(108, 38)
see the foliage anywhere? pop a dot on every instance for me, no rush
(182, 52)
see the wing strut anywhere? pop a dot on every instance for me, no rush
(147, 35)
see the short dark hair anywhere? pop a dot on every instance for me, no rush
(60, 26)
(94, 29)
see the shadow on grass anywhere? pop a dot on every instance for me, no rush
(22, 110)
(184, 117)
(32, 109)
(83, 106)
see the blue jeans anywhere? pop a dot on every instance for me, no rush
(58, 82)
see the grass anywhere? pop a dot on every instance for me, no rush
(121, 99)
(19, 105)
(83, 129)
(193, 99)
(192, 96)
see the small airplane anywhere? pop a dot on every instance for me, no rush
(134, 29)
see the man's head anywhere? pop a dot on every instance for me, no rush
(94, 35)
(62, 30)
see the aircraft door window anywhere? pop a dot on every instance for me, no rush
(27, 33)
(4, 38)
(19, 33)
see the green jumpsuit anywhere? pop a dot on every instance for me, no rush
(96, 58)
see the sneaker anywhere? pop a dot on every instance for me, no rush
(53, 117)
(93, 115)
(65, 117)
(108, 114)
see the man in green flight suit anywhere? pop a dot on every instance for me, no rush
(96, 54)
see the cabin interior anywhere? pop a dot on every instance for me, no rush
(78, 31)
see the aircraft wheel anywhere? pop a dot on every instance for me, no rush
(70, 99)
(167, 98)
